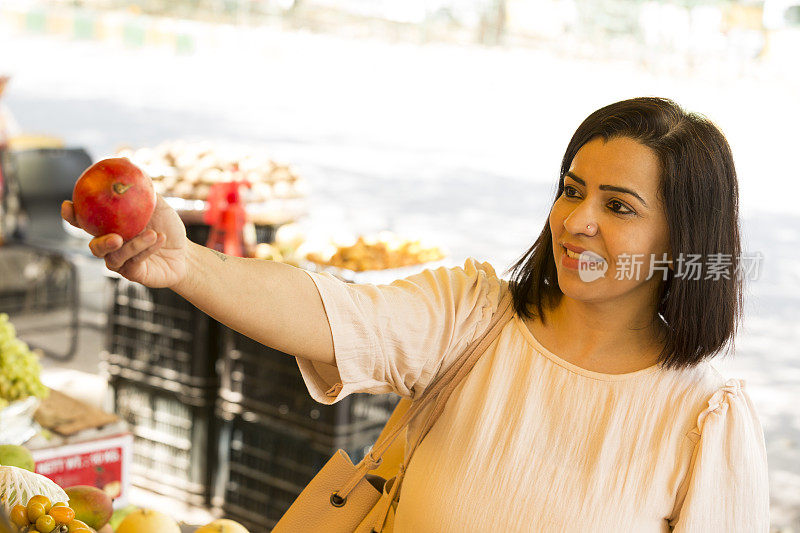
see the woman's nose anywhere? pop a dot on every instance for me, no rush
(581, 220)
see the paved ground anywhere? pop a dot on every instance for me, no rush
(459, 144)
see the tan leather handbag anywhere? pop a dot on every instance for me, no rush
(343, 498)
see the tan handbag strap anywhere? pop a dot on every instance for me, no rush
(471, 357)
(446, 383)
(443, 385)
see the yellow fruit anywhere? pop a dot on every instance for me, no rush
(61, 514)
(223, 525)
(35, 510)
(147, 521)
(19, 515)
(45, 524)
(76, 525)
(44, 500)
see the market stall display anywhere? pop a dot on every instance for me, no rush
(387, 251)
(374, 258)
(37, 487)
(206, 415)
(36, 504)
(184, 173)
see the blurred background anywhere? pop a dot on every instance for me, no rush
(439, 121)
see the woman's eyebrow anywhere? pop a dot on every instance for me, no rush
(609, 188)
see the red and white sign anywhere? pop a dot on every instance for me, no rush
(103, 463)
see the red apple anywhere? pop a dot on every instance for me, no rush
(114, 196)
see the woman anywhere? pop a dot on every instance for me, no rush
(595, 409)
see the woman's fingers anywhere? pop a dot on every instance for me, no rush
(68, 213)
(142, 256)
(132, 248)
(105, 244)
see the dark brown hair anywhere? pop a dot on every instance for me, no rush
(700, 193)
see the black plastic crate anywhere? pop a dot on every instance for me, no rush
(158, 332)
(34, 281)
(198, 233)
(265, 464)
(264, 380)
(174, 435)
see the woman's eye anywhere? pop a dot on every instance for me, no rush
(616, 205)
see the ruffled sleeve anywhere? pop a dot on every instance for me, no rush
(396, 337)
(726, 488)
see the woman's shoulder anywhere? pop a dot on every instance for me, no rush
(476, 282)
(701, 390)
(473, 269)
(692, 384)
(702, 378)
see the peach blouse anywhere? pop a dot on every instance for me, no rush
(530, 442)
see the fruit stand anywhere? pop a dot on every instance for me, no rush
(197, 412)
(75, 459)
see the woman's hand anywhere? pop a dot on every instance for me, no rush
(157, 257)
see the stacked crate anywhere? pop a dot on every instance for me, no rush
(274, 437)
(199, 233)
(161, 363)
(161, 360)
(35, 281)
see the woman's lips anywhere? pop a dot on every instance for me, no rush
(573, 263)
(572, 247)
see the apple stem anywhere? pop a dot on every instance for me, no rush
(120, 188)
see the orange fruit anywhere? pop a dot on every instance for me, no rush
(45, 524)
(19, 515)
(62, 515)
(222, 526)
(35, 510)
(44, 500)
(74, 526)
(146, 520)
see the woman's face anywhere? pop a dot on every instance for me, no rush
(626, 227)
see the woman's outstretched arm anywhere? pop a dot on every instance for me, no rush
(273, 303)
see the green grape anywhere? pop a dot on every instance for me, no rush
(19, 366)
